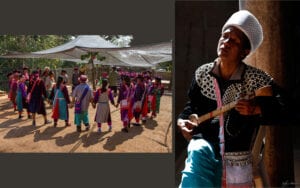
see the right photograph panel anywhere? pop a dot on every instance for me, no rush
(235, 82)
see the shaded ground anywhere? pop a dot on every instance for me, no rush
(20, 136)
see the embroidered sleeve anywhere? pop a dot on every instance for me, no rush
(205, 80)
(255, 78)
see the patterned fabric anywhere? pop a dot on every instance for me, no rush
(205, 81)
(249, 25)
(252, 80)
(239, 169)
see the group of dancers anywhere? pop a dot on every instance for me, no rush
(137, 95)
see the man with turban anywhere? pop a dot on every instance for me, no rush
(219, 151)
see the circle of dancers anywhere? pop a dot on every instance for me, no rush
(137, 95)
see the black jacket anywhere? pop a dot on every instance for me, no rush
(239, 130)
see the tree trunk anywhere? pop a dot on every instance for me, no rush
(93, 72)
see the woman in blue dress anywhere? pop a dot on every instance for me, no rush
(61, 99)
(21, 96)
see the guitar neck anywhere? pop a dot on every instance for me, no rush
(263, 91)
(216, 112)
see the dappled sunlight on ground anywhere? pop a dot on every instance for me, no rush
(18, 135)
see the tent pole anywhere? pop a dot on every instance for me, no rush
(93, 72)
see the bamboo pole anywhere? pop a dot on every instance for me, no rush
(93, 72)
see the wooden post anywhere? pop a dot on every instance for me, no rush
(93, 72)
(278, 153)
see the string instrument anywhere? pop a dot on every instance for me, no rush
(263, 91)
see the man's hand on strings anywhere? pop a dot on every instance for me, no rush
(247, 107)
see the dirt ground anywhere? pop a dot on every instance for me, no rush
(19, 136)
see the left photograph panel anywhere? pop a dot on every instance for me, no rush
(85, 94)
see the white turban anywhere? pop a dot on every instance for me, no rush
(249, 25)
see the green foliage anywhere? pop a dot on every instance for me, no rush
(28, 43)
(32, 43)
(119, 40)
(166, 65)
(92, 54)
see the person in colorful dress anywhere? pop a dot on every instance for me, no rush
(148, 97)
(25, 72)
(35, 98)
(49, 83)
(21, 97)
(9, 78)
(157, 91)
(113, 80)
(83, 96)
(75, 76)
(14, 77)
(102, 98)
(138, 99)
(60, 97)
(64, 74)
(124, 99)
(219, 150)
(45, 74)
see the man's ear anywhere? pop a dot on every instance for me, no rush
(245, 53)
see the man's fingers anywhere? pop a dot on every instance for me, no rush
(187, 130)
(185, 122)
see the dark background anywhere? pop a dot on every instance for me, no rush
(198, 26)
(149, 22)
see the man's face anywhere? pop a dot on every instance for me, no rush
(230, 45)
(22, 79)
(35, 76)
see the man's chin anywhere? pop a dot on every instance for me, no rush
(223, 55)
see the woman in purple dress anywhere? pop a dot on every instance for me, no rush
(137, 100)
(124, 101)
(102, 97)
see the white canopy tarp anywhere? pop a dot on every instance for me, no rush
(139, 56)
